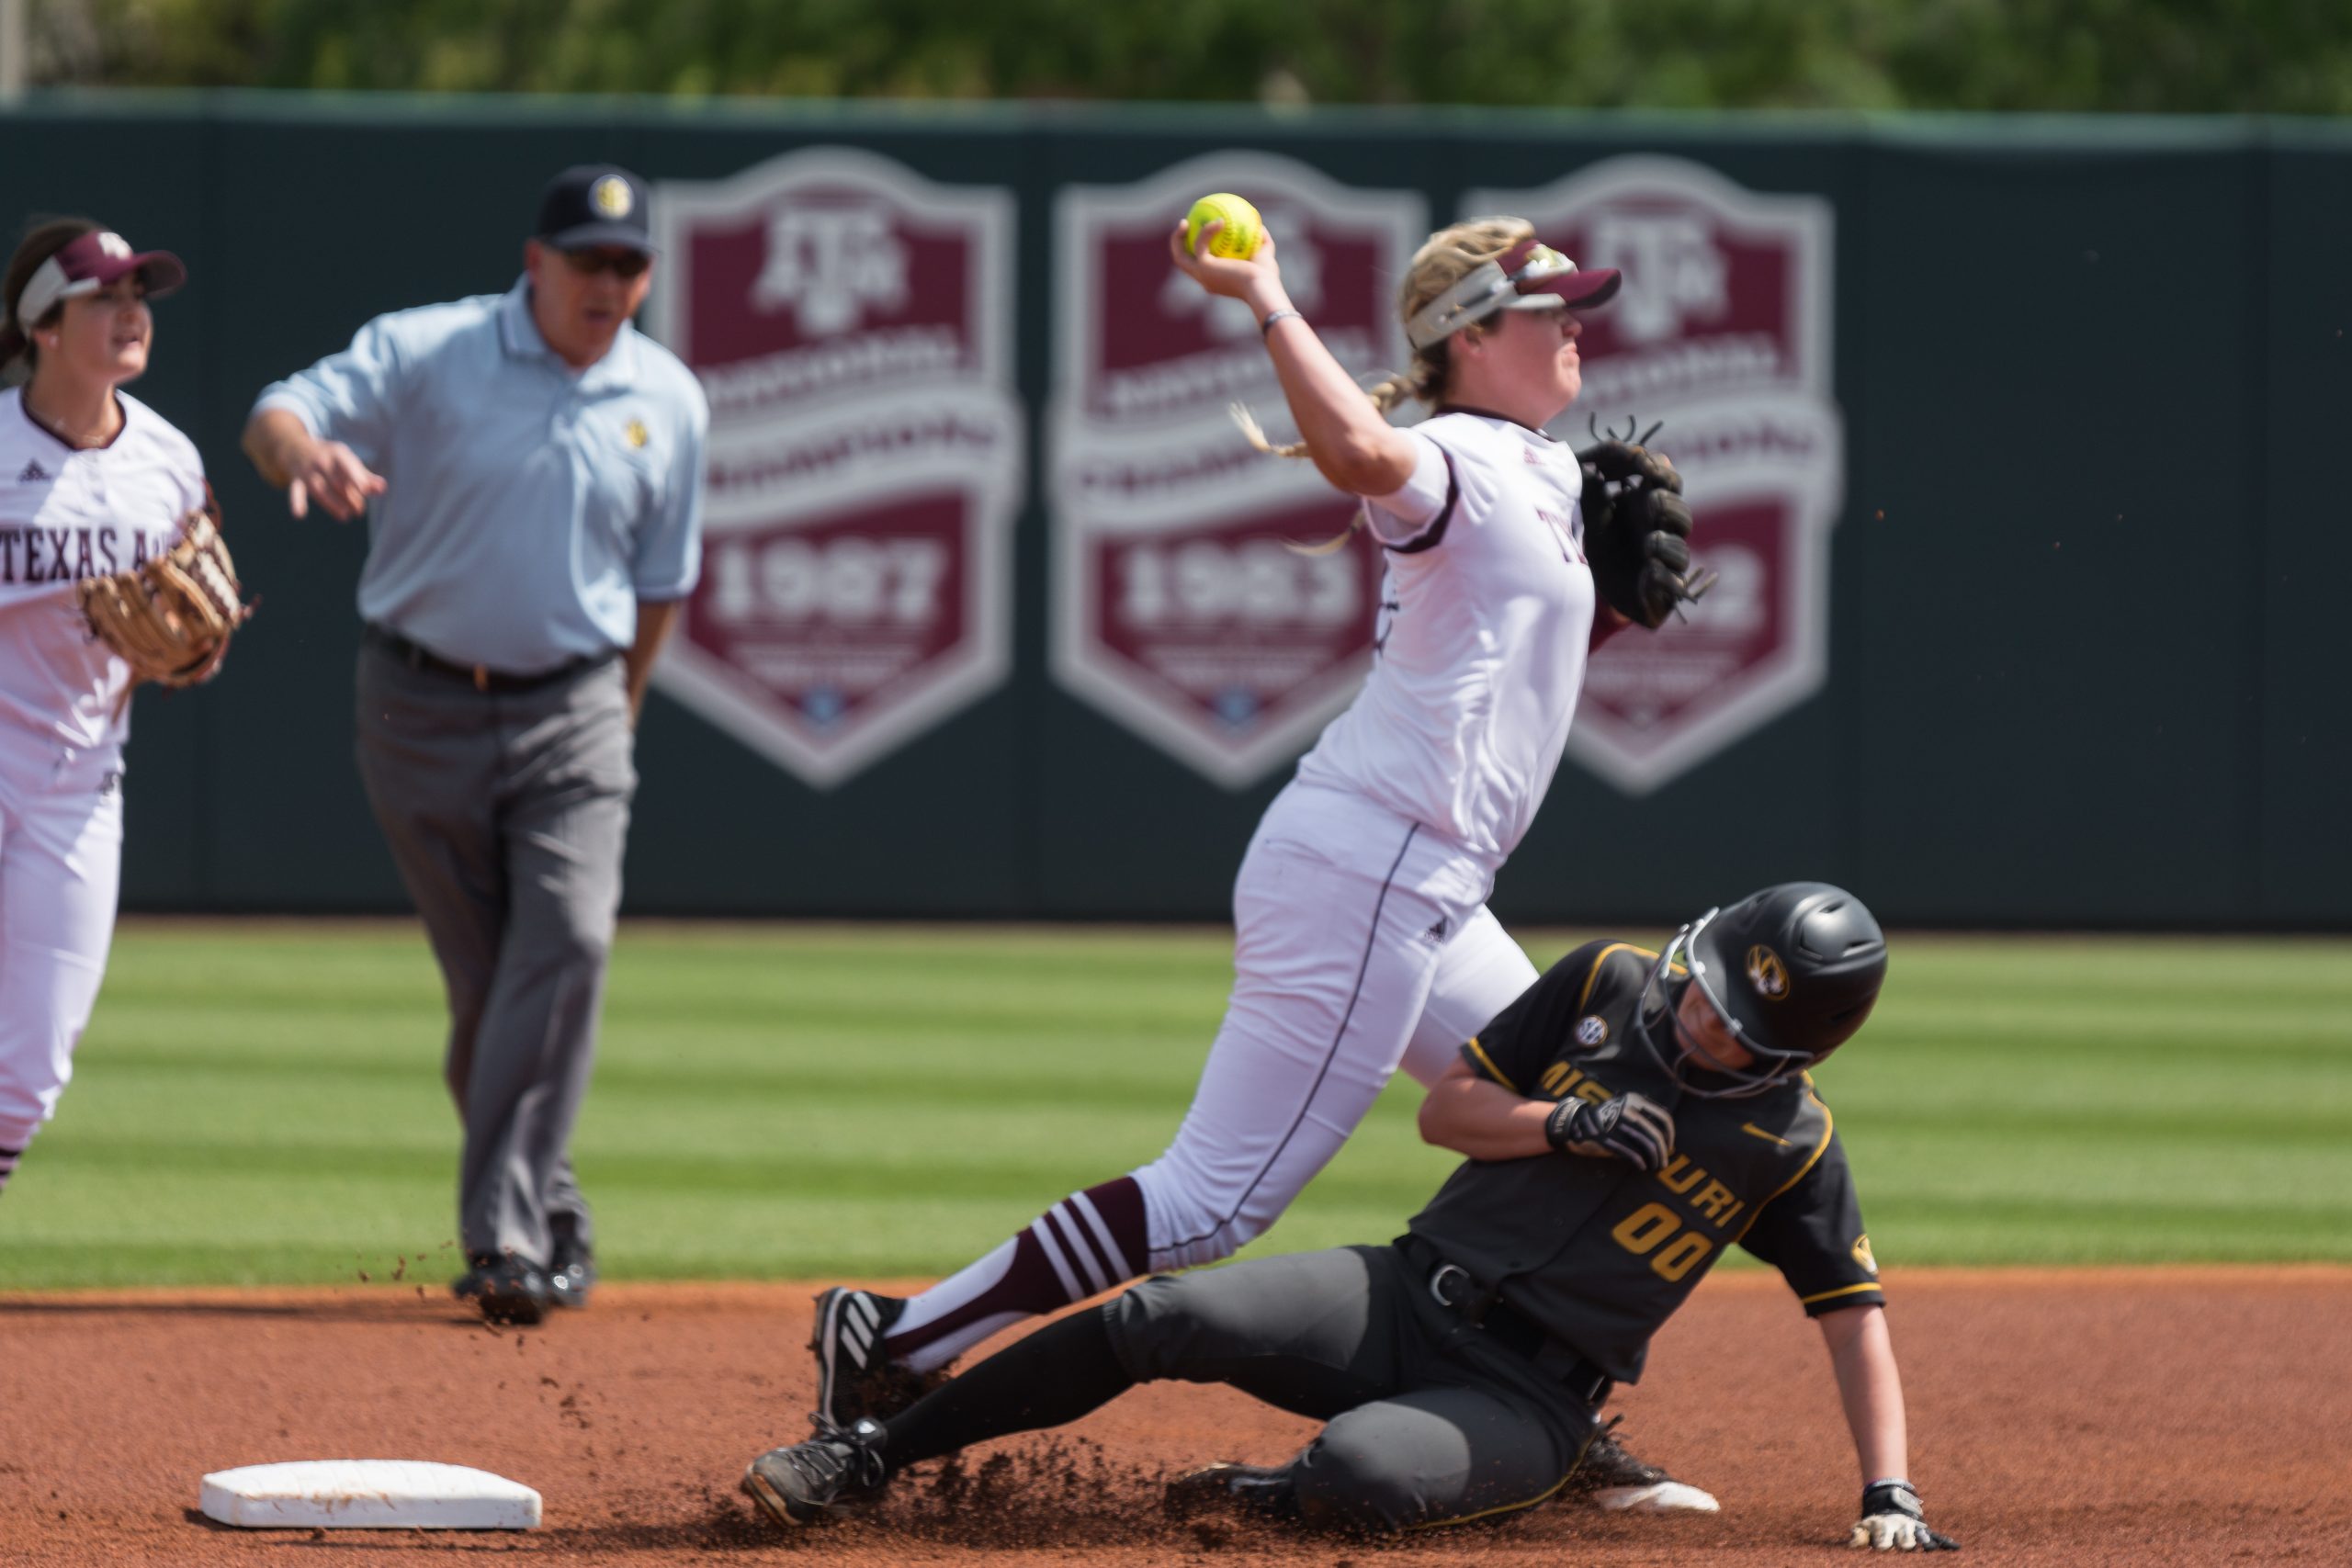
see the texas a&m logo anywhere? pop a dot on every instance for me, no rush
(831, 267)
(851, 323)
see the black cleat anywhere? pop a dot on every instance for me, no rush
(857, 1379)
(1611, 1479)
(510, 1290)
(573, 1273)
(806, 1482)
(1252, 1490)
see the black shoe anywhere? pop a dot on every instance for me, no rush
(509, 1289)
(571, 1274)
(1256, 1491)
(801, 1484)
(1613, 1481)
(857, 1379)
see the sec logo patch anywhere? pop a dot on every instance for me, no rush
(1592, 1030)
(1863, 1256)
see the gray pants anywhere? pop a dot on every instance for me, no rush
(1431, 1423)
(507, 813)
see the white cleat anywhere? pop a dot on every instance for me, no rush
(1657, 1497)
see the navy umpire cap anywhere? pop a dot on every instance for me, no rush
(596, 204)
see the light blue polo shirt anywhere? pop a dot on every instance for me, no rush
(526, 507)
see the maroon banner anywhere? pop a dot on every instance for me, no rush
(851, 323)
(1720, 337)
(1181, 608)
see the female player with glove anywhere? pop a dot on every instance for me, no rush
(93, 484)
(1364, 939)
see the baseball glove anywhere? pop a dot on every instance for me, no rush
(1637, 532)
(170, 618)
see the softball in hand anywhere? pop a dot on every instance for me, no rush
(1243, 228)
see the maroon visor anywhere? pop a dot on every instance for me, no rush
(1536, 269)
(89, 264)
(1530, 275)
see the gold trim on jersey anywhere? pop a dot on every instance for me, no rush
(1593, 975)
(1841, 1290)
(1768, 1138)
(1499, 1075)
(1828, 1126)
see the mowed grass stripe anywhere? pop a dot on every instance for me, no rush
(261, 1102)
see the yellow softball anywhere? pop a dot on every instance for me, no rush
(1238, 238)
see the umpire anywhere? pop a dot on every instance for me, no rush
(1628, 1118)
(535, 470)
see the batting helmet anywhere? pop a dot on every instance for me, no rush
(1792, 971)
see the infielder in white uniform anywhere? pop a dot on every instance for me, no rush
(92, 482)
(1363, 941)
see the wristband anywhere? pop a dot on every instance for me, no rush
(1284, 314)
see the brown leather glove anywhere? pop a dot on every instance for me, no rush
(170, 618)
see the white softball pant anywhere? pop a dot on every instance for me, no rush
(61, 859)
(1361, 942)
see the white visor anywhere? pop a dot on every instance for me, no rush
(1528, 277)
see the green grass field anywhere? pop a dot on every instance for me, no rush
(263, 1102)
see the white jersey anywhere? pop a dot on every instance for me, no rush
(65, 514)
(1484, 623)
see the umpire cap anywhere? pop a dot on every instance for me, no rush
(1793, 969)
(596, 204)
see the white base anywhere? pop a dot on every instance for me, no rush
(368, 1494)
(1664, 1497)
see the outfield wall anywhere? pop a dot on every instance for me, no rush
(2039, 533)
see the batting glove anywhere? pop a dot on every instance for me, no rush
(1893, 1521)
(1632, 1127)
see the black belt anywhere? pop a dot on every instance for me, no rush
(1480, 1306)
(480, 677)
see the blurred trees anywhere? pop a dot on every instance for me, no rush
(2245, 56)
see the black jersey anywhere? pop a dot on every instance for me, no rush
(1600, 1254)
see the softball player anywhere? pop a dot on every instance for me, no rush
(92, 482)
(1362, 936)
(1628, 1118)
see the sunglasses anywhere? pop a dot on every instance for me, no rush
(623, 265)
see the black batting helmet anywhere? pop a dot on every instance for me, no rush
(1793, 970)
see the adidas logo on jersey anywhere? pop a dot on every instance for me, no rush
(34, 473)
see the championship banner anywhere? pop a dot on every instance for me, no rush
(1185, 609)
(1141, 348)
(851, 323)
(1722, 333)
(1181, 608)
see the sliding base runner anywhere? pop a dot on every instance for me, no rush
(1625, 1120)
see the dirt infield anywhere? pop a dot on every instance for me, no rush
(2124, 1417)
